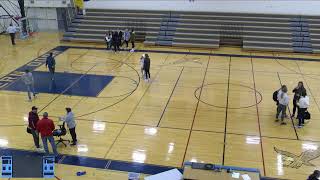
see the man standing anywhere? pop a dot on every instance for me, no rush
(71, 123)
(12, 31)
(27, 78)
(45, 127)
(51, 63)
(33, 119)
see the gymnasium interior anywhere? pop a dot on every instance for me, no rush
(207, 111)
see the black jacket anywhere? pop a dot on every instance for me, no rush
(146, 63)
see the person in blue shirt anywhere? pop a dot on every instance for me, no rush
(51, 63)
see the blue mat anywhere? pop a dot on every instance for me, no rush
(88, 85)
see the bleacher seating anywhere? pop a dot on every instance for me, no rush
(200, 29)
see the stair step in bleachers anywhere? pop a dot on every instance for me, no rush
(301, 41)
(202, 29)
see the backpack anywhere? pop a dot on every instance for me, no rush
(275, 96)
(307, 115)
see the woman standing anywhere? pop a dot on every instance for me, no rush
(146, 67)
(303, 104)
(297, 93)
(142, 64)
(283, 99)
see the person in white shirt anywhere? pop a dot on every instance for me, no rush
(303, 105)
(142, 64)
(12, 31)
(27, 79)
(108, 40)
(71, 123)
(283, 99)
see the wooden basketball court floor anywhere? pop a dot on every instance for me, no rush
(200, 108)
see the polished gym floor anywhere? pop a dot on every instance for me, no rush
(212, 106)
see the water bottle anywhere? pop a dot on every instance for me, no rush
(81, 173)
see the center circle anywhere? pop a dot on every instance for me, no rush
(231, 96)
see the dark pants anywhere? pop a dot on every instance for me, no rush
(52, 70)
(281, 109)
(294, 107)
(132, 43)
(147, 73)
(73, 134)
(127, 43)
(12, 36)
(35, 135)
(301, 112)
(115, 47)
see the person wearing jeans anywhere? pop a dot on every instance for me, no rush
(51, 64)
(303, 105)
(33, 119)
(283, 99)
(71, 123)
(46, 126)
(27, 79)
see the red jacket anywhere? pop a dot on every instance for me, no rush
(33, 120)
(45, 126)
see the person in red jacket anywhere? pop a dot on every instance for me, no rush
(33, 119)
(45, 126)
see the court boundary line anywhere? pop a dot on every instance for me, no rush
(226, 116)
(258, 117)
(165, 108)
(195, 112)
(203, 54)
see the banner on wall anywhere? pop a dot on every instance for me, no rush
(79, 3)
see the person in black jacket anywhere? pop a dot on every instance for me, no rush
(315, 175)
(146, 67)
(120, 38)
(297, 93)
(115, 41)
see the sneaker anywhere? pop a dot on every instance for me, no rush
(283, 123)
(40, 149)
(277, 120)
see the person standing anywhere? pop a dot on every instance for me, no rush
(297, 93)
(71, 123)
(115, 41)
(146, 67)
(283, 99)
(133, 38)
(126, 37)
(27, 79)
(33, 119)
(142, 64)
(45, 127)
(108, 40)
(12, 31)
(303, 104)
(120, 38)
(51, 64)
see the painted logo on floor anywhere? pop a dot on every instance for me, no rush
(293, 161)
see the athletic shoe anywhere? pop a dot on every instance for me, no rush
(40, 149)
(283, 123)
(277, 120)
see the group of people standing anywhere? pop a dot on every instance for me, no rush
(45, 128)
(300, 102)
(116, 39)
